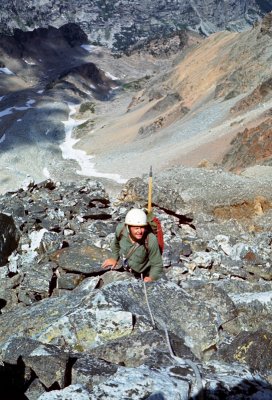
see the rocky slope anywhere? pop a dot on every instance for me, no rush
(191, 113)
(121, 24)
(70, 329)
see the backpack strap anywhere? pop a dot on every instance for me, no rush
(121, 233)
(131, 251)
(146, 243)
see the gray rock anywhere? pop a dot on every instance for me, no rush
(76, 319)
(192, 192)
(140, 382)
(206, 260)
(243, 382)
(128, 23)
(35, 390)
(214, 297)
(178, 311)
(144, 348)
(254, 309)
(47, 362)
(35, 282)
(88, 370)
(75, 392)
(252, 349)
(8, 299)
(69, 281)
(82, 259)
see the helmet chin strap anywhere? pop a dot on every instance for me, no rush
(130, 235)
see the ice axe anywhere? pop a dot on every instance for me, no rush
(149, 201)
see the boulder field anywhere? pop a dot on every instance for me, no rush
(70, 329)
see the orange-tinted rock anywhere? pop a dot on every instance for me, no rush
(250, 147)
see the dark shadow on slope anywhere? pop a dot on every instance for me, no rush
(265, 6)
(49, 66)
(247, 389)
(12, 381)
(44, 52)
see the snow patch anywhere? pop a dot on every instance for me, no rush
(7, 111)
(10, 110)
(84, 160)
(109, 75)
(29, 62)
(6, 71)
(88, 47)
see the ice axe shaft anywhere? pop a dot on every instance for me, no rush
(149, 202)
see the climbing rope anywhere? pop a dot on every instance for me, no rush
(147, 302)
(199, 387)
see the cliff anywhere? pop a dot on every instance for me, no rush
(121, 24)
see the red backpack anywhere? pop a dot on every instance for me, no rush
(155, 227)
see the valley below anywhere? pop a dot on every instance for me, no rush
(109, 116)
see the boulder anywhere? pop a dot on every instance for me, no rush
(48, 363)
(252, 349)
(172, 307)
(195, 193)
(82, 259)
(88, 370)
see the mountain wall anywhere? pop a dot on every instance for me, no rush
(121, 24)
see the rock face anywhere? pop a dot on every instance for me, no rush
(196, 194)
(250, 147)
(70, 329)
(121, 24)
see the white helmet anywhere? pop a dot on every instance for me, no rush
(136, 217)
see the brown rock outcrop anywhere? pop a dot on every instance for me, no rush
(250, 147)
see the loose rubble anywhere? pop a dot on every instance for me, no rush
(70, 329)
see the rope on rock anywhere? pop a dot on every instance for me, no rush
(199, 387)
(190, 363)
(147, 302)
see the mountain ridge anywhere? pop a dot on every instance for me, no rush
(121, 24)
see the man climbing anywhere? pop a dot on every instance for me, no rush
(136, 248)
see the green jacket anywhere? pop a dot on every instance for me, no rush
(142, 259)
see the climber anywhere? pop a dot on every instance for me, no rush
(136, 248)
